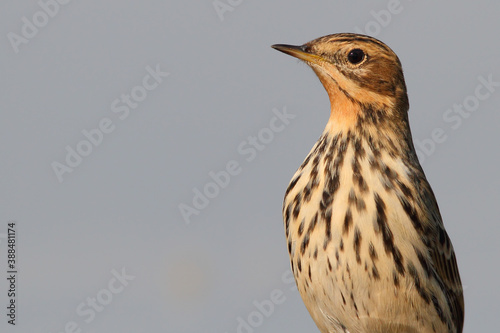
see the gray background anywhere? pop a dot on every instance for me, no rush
(120, 207)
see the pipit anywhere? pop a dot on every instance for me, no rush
(367, 244)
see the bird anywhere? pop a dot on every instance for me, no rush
(367, 244)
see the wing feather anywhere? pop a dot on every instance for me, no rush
(446, 268)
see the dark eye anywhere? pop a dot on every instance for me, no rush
(355, 56)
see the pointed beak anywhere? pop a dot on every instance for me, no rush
(300, 52)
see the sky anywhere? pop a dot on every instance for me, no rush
(146, 147)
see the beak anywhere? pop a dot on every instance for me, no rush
(299, 52)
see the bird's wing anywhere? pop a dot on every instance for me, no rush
(443, 257)
(445, 265)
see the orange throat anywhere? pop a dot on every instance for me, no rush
(344, 112)
(347, 101)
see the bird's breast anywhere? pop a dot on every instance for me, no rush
(347, 229)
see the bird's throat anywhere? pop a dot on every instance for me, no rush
(344, 113)
(349, 102)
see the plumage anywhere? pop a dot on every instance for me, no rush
(367, 244)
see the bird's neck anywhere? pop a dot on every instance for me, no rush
(380, 127)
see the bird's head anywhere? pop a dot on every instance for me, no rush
(360, 73)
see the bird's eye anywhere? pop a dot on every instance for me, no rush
(355, 56)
